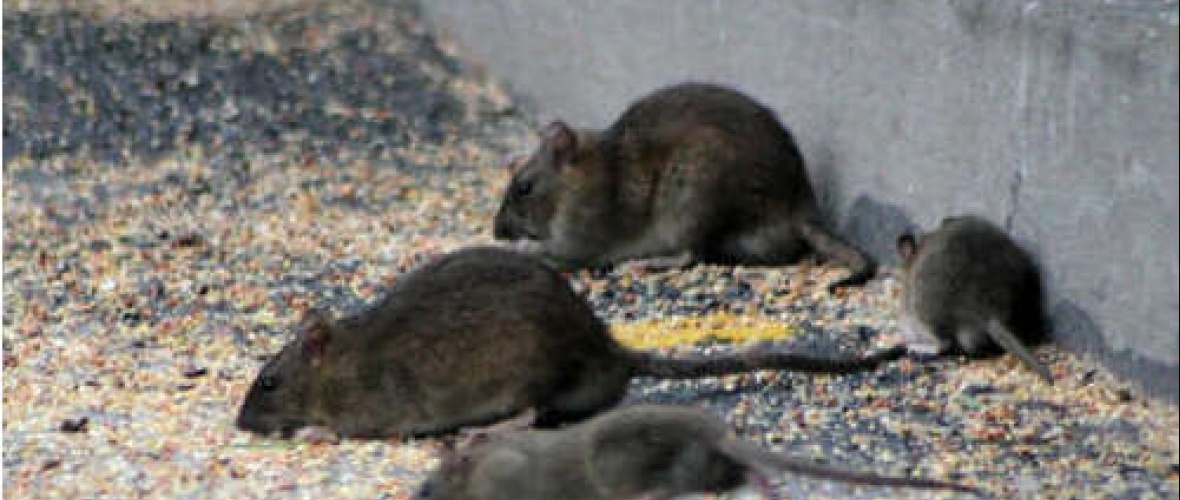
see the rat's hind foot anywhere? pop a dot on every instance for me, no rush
(659, 264)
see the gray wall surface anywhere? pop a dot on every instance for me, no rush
(1057, 119)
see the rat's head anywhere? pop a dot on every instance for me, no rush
(534, 192)
(445, 483)
(451, 480)
(908, 246)
(283, 397)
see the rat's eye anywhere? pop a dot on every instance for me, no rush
(523, 188)
(268, 383)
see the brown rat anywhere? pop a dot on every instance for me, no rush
(475, 336)
(694, 172)
(969, 287)
(645, 451)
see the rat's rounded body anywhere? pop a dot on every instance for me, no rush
(694, 171)
(467, 339)
(969, 287)
(644, 451)
(473, 337)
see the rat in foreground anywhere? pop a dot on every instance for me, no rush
(647, 451)
(691, 173)
(473, 337)
(968, 286)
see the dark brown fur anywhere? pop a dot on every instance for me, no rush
(969, 287)
(650, 452)
(473, 337)
(696, 171)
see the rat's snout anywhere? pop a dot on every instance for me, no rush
(512, 226)
(248, 422)
(505, 228)
(252, 417)
(253, 422)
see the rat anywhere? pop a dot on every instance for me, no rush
(642, 451)
(473, 337)
(969, 287)
(691, 173)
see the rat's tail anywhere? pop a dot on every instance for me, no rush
(1001, 335)
(831, 247)
(650, 364)
(767, 461)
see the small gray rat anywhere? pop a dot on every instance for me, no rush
(691, 173)
(969, 287)
(646, 451)
(470, 338)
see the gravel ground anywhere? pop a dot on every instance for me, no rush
(179, 186)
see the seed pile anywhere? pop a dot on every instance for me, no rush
(177, 189)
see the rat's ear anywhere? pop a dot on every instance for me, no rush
(561, 139)
(315, 332)
(906, 246)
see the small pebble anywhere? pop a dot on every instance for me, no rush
(194, 372)
(74, 425)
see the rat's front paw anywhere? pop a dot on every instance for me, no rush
(531, 247)
(316, 434)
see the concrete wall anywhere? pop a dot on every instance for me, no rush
(1056, 118)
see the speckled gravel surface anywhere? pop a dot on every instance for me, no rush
(178, 188)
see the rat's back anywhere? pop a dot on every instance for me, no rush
(480, 294)
(480, 334)
(969, 270)
(731, 153)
